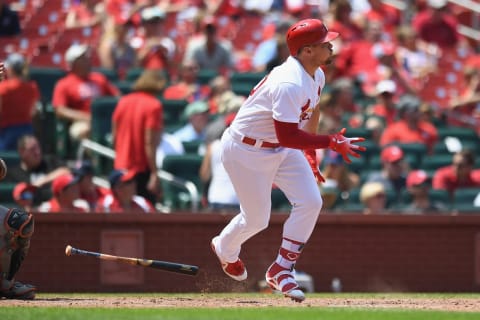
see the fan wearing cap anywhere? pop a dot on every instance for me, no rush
(264, 146)
(198, 116)
(23, 195)
(66, 196)
(74, 93)
(18, 100)
(410, 128)
(16, 230)
(89, 192)
(385, 106)
(154, 49)
(394, 170)
(137, 125)
(123, 196)
(374, 198)
(188, 87)
(418, 186)
(210, 52)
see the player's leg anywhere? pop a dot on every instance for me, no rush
(251, 172)
(296, 180)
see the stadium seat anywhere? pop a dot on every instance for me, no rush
(187, 167)
(102, 110)
(192, 146)
(11, 158)
(436, 161)
(6, 196)
(172, 111)
(251, 78)
(466, 200)
(464, 134)
(204, 76)
(46, 78)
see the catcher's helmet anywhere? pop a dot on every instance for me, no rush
(307, 32)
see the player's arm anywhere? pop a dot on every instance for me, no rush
(291, 136)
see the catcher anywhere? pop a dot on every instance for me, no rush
(16, 229)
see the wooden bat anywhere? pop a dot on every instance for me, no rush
(157, 264)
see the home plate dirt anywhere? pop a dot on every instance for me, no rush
(209, 301)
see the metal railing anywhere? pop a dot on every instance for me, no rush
(100, 149)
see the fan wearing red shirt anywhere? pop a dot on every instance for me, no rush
(18, 98)
(65, 196)
(137, 125)
(460, 174)
(123, 197)
(410, 128)
(73, 94)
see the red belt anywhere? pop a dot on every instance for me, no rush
(264, 144)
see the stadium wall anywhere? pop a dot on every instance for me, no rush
(391, 253)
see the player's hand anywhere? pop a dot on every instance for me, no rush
(346, 146)
(312, 160)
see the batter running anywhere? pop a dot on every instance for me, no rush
(264, 145)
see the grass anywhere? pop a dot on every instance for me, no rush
(303, 312)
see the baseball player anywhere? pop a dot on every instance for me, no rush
(263, 146)
(16, 229)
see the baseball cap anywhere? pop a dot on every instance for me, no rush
(371, 189)
(152, 13)
(16, 62)
(23, 191)
(83, 168)
(386, 86)
(417, 177)
(391, 154)
(62, 182)
(117, 176)
(437, 4)
(195, 108)
(74, 52)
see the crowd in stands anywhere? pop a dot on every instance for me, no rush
(175, 73)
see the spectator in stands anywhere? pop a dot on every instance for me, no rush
(154, 50)
(9, 20)
(85, 13)
(393, 173)
(339, 179)
(281, 54)
(18, 100)
(123, 196)
(385, 106)
(65, 196)
(341, 21)
(221, 194)
(436, 25)
(270, 48)
(416, 57)
(116, 52)
(188, 86)
(210, 52)
(89, 192)
(410, 128)
(228, 105)
(137, 125)
(23, 195)
(219, 86)
(381, 11)
(460, 174)
(418, 186)
(374, 198)
(35, 169)
(198, 117)
(73, 94)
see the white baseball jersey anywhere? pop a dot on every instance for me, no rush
(288, 94)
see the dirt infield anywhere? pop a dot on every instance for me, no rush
(209, 301)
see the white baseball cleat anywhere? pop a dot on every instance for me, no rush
(235, 270)
(284, 282)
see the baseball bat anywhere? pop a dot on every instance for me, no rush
(156, 264)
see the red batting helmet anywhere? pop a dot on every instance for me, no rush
(307, 32)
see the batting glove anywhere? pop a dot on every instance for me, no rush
(346, 146)
(312, 160)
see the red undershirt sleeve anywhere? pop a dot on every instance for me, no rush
(290, 136)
